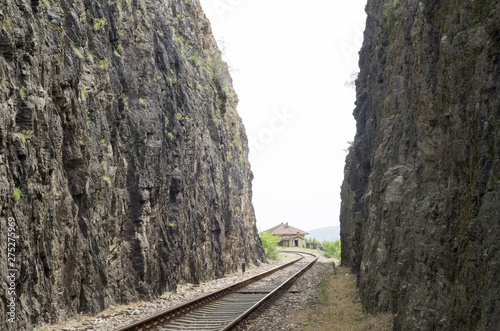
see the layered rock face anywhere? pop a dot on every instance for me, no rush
(122, 158)
(420, 217)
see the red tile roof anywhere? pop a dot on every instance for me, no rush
(285, 229)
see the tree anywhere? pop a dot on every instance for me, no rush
(270, 244)
(332, 249)
(314, 241)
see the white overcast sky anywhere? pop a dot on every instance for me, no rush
(290, 60)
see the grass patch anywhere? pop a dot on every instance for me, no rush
(7, 24)
(104, 64)
(387, 101)
(341, 308)
(99, 23)
(107, 179)
(24, 136)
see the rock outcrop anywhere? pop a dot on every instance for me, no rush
(420, 215)
(122, 158)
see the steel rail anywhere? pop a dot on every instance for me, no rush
(156, 321)
(272, 295)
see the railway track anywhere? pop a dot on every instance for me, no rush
(228, 308)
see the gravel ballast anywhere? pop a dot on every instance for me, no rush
(121, 315)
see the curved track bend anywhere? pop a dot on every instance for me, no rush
(229, 307)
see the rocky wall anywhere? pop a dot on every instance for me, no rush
(122, 158)
(420, 215)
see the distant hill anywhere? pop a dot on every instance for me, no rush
(331, 233)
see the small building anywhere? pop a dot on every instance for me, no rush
(290, 236)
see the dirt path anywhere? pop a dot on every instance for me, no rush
(322, 299)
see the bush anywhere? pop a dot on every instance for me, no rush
(270, 244)
(332, 249)
(17, 194)
(314, 241)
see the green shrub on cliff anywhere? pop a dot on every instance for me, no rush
(100, 23)
(389, 6)
(17, 194)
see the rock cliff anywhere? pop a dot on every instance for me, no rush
(420, 215)
(122, 158)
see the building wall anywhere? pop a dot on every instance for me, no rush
(291, 243)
